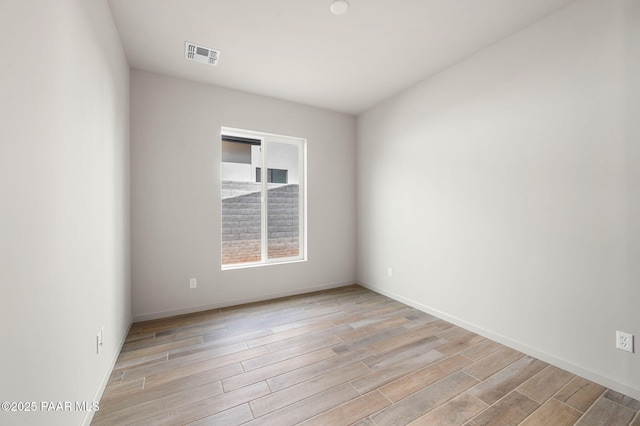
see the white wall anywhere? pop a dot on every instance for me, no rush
(64, 203)
(175, 184)
(238, 172)
(504, 191)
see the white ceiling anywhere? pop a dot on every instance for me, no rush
(298, 51)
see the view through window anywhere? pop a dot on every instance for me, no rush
(263, 193)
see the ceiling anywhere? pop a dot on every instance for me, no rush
(297, 50)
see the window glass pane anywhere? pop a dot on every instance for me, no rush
(263, 195)
(283, 200)
(234, 152)
(241, 204)
(278, 176)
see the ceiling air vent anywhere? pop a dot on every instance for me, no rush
(193, 52)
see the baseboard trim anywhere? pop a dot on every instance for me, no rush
(240, 301)
(88, 417)
(600, 378)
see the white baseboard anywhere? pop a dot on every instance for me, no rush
(602, 379)
(88, 417)
(241, 301)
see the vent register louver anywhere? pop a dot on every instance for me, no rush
(201, 54)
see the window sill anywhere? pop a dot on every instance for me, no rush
(257, 265)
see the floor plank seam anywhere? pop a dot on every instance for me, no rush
(297, 352)
(565, 404)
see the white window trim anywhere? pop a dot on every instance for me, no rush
(265, 138)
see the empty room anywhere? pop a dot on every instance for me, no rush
(320, 212)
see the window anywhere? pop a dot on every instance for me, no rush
(273, 175)
(263, 198)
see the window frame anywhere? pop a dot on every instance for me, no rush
(265, 140)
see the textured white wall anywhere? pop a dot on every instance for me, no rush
(504, 191)
(175, 184)
(64, 203)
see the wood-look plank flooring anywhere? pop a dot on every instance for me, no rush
(340, 357)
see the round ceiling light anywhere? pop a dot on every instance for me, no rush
(339, 7)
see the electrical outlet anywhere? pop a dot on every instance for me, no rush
(390, 272)
(193, 283)
(624, 341)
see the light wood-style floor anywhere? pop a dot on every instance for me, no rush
(338, 357)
